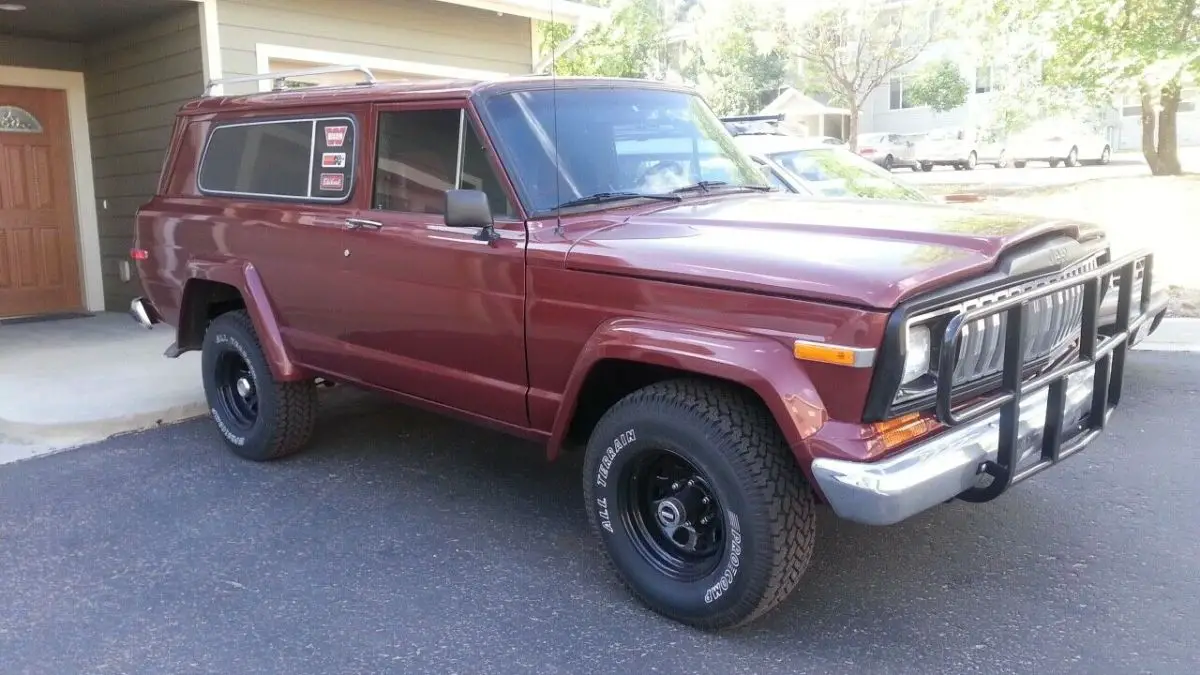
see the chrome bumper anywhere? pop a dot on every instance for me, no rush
(938, 470)
(143, 312)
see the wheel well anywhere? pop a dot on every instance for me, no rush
(611, 380)
(203, 301)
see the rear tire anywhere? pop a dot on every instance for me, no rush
(709, 457)
(1019, 165)
(261, 419)
(1072, 158)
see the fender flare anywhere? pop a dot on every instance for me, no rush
(245, 278)
(764, 365)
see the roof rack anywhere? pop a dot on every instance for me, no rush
(279, 78)
(754, 118)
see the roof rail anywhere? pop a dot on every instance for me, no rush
(279, 78)
(754, 118)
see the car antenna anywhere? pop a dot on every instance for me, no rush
(554, 117)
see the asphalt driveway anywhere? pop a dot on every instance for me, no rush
(408, 543)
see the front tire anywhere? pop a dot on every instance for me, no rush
(972, 160)
(699, 504)
(1072, 158)
(261, 419)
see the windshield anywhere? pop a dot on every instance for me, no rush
(612, 141)
(835, 172)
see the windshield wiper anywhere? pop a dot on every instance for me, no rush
(708, 185)
(602, 197)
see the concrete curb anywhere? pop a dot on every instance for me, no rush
(1174, 334)
(74, 434)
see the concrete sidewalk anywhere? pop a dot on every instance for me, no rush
(69, 382)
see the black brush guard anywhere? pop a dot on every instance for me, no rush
(1107, 355)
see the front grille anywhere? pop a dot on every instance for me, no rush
(1052, 322)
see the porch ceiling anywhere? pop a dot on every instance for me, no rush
(80, 20)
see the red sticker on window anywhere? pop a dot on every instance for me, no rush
(335, 137)
(332, 181)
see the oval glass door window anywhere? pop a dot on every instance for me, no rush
(18, 121)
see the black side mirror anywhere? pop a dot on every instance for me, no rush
(467, 208)
(470, 208)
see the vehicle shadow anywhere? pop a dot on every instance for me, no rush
(862, 578)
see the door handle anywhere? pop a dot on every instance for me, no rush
(361, 224)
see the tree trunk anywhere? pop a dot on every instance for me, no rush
(1149, 122)
(1168, 149)
(852, 132)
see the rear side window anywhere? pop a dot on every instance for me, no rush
(308, 159)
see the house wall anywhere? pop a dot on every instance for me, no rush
(421, 31)
(136, 80)
(24, 52)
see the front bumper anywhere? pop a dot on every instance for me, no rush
(1028, 425)
(940, 469)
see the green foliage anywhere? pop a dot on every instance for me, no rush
(632, 45)
(745, 56)
(940, 86)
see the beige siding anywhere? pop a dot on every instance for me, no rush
(136, 81)
(425, 31)
(23, 52)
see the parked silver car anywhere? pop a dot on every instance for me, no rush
(889, 150)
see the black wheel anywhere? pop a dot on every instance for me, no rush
(1019, 165)
(1054, 164)
(972, 160)
(1072, 158)
(927, 167)
(1106, 155)
(260, 419)
(699, 503)
(888, 162)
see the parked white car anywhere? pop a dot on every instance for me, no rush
(1066, 143)
(810, 167)
(889, 150)
(961, 148)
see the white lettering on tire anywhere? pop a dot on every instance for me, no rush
(223, 339)
(625, 438)
(735, 561)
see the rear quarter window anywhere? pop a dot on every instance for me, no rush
(301, 159)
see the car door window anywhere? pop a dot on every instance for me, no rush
(417, 161)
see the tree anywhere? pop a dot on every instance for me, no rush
(631, 45)
(940, 86)
(1109, 48)
(857, 45)
(744, 55)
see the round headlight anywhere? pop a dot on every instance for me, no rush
(917, 351)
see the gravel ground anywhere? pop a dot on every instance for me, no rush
(1138, 211)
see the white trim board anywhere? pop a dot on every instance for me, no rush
(86, 221)
(264, 53)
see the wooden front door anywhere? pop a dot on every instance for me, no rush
(39, 260)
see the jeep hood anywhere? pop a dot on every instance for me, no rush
(868, 253)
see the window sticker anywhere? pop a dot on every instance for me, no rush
(333, 160)
(332, 181)
(335, 137)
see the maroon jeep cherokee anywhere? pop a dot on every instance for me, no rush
(589, 262)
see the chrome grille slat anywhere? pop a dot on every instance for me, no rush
(1052, 322)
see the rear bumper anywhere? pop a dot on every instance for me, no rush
(144, 313)
(1029, 424)
(940, 469)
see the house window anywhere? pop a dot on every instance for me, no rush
(417, 161)
(983, 79)
(898, 97)
(16, 120)
(301, 159)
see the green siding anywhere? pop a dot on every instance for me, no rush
(136, 80)
(23, 52)
(425, 31)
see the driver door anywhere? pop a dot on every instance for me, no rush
(444, 315)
